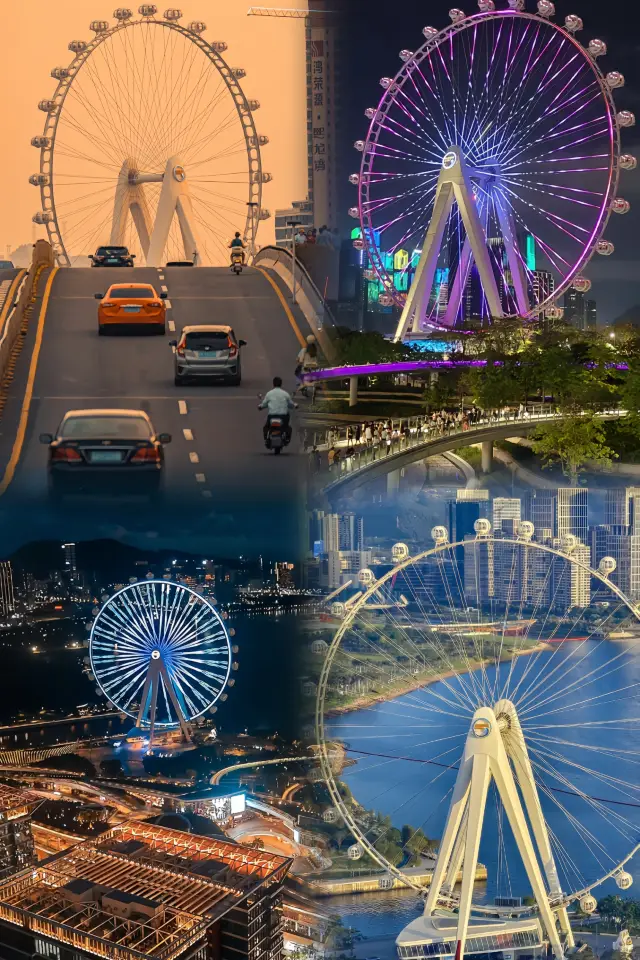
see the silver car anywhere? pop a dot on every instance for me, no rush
(208, 351)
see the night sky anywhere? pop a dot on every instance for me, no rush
(376, 30)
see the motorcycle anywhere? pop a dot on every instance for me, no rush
(237, 262)
(278, 435)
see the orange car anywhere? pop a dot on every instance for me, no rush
(131, 305)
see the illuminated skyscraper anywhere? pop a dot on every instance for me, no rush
(572, 508)
(506, 508)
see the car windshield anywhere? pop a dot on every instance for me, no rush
(201, 339)
(6, 265)
(111, 251)
(129, 293)
(105, 428)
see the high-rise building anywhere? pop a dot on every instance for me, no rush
(469, 506)
(543, 285)
(322, 112)
(572, 513)
(331, 532)
(148, 891)
(622, 509)
(505, 508)
(625, 550)
(539, 508)
(16, 839)
(69, 553)
(575, 309)
(284, 575)
(571, 586)
(301, 211)
(591, 315)
(7, 596)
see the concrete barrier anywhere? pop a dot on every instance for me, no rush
(19, 303)
(308, 297)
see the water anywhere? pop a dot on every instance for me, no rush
(589, 723)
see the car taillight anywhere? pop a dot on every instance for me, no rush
(146, 455)
(180, 350)
(66, 455)
(109, 303)
(155, 303)
(232, 348)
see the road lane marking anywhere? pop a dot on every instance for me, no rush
(172, 327)
(182, 407)
(287, 309)
(161, 277)
(188, 434)
(28, 394)
(164, 289)
(167, 304)
(193, 456)
(200, 477)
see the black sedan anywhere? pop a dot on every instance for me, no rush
(94, 450)
(112, 256)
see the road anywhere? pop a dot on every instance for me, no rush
(223, 490)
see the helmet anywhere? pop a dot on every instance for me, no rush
(311, 338)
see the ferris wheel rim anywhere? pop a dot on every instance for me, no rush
(323, 743)
(234, 89)
(388, 99)
(185, 589)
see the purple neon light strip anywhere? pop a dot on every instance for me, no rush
(409, 366)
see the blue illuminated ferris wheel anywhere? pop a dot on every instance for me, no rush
(161, 654)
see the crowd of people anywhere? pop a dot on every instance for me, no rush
(340, 445)
(324, 237)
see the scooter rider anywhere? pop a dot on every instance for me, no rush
(237, 245)
(307, 360)
(278, 403)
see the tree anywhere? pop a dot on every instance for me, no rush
(573, 442)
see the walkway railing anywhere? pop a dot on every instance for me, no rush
(337, 453)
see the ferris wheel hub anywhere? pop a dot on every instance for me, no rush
(155, 654)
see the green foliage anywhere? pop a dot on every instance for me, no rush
(573, 442)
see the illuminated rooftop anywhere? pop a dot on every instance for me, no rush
(16, 803)
(139, 890)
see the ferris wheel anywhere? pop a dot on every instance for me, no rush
(149, 142)
(490, 168)
(161, 654)
(492, 716)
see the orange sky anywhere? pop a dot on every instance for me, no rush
(35, 37)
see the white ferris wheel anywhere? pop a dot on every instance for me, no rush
(484, 694)
(149, 142)
(162, 654)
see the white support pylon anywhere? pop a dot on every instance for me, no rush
(494, 742)
(130, 198)
(174, 199)
(149, 698)
(454, 185)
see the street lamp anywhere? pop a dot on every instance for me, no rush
(293, 224)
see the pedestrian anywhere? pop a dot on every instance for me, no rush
(358, 432)
(368, 435)
(315, 459)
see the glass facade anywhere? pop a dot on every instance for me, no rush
(475, 946)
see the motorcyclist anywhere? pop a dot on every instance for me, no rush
(277, 402)
(238, 245)
(307, 360)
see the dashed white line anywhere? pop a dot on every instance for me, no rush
(161, 277)
(182, 407)
(200, 477)
(164, 289)
(167, 304)
(193, 456)
(172, 326)
(188, 434)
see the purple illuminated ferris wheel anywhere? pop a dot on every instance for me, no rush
(491, 168)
